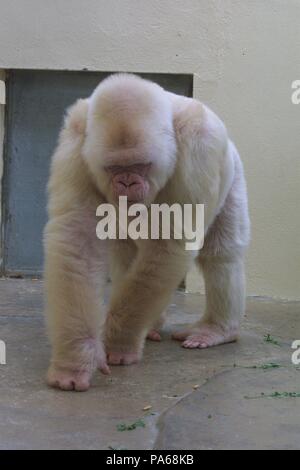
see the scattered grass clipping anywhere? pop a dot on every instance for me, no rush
(269, 339)
(275, 395)
(268, 366)
(140, 423)
(271, 365)
(117, 448)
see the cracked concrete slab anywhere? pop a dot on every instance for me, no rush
(230, 412)
(35, 417)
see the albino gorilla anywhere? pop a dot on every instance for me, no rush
(133, 138)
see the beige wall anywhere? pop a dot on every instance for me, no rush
(244, 54)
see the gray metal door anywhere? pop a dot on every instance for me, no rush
(35, 109)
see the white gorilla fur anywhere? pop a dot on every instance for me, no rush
(129, 120)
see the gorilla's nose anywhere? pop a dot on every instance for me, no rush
(130, 185)
(126, 184)
(127, 180)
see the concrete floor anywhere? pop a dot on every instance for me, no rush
(214, 415)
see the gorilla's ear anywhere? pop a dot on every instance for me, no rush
(76, 118)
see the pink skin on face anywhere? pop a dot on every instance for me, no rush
(130, 181)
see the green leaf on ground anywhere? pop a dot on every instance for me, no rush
(275, 395)
(130, 427)
(269, 339)
(271, 365)
(117, 448)
(267, 366)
